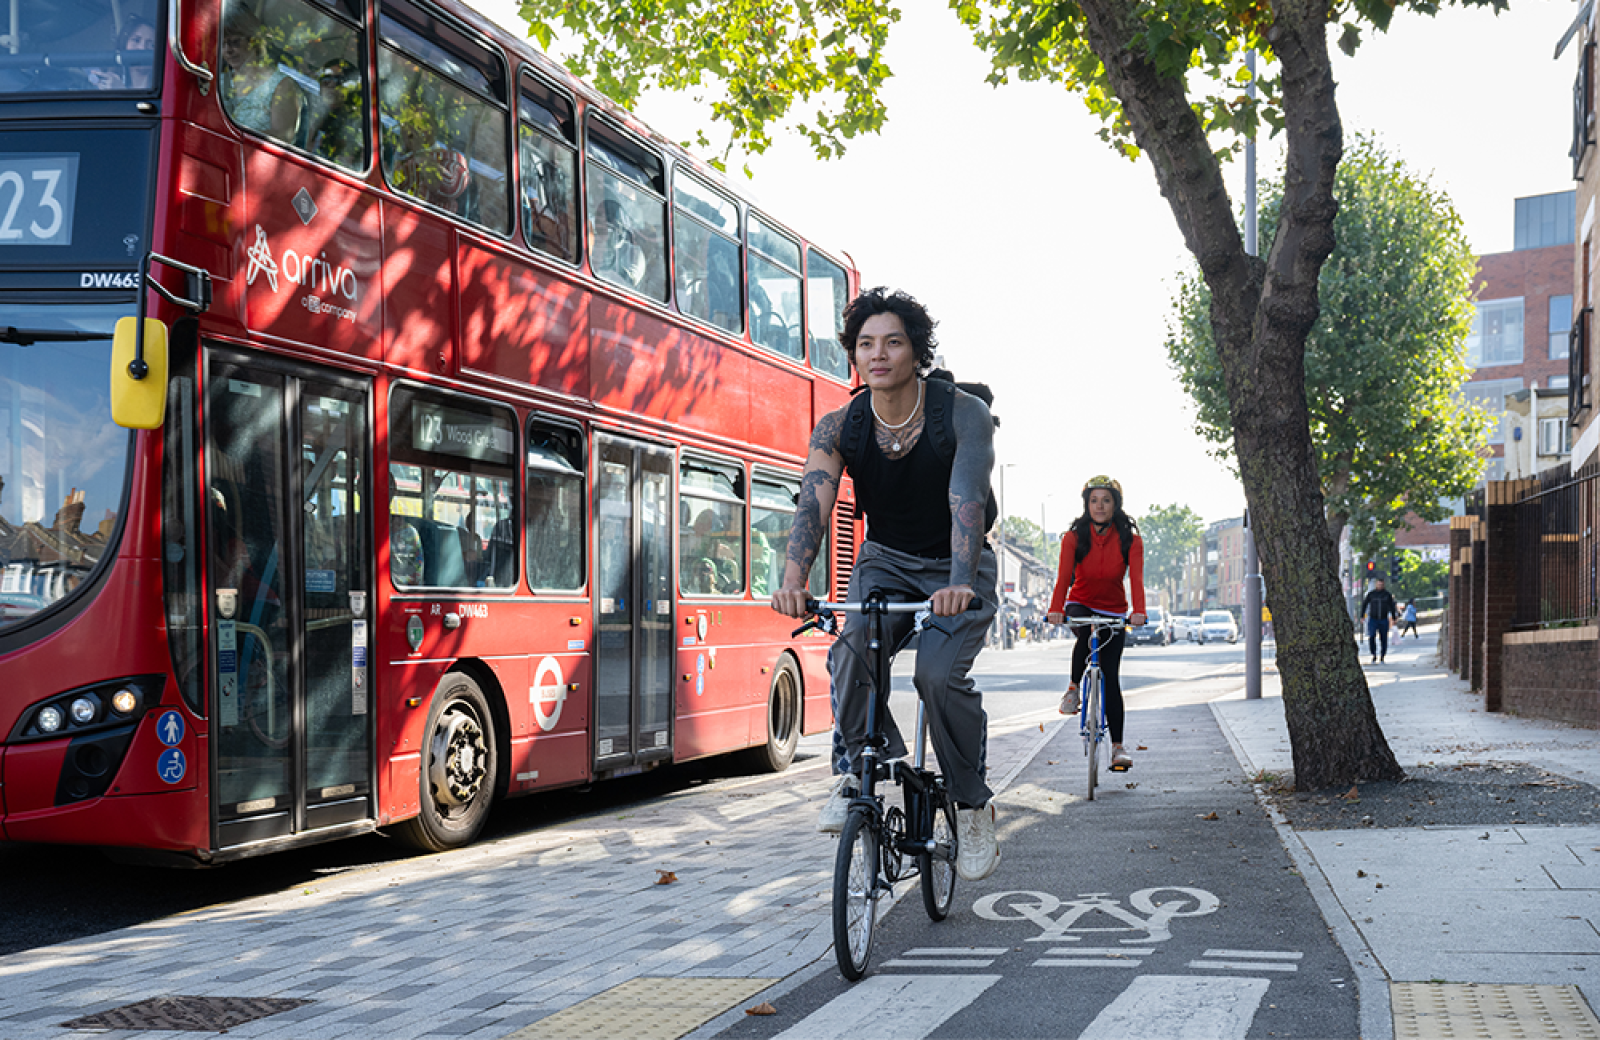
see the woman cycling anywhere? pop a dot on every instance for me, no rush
(1099, 550)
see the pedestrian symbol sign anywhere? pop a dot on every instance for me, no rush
(169, 728)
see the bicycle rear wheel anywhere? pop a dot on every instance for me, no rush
(855, 903)
(1095, 741)
(938, 868)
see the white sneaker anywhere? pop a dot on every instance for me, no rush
(837, 807)
(977, 854)
(1069, 702)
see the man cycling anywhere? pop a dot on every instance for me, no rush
(927, 515)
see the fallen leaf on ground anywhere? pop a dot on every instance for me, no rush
(1140, 747)
(1041, 727)
(665, 877)
(1351, 795)
(1209, 816)
(762, 1008)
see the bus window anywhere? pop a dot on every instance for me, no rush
(556, 498)
(549, 171)
(772, 505)
(627, 213)
(774, 290)
(705, 253)
(291, 71)
(710, 528)
(827, 291)
(452, 511)
(56, 46)
(441, 102)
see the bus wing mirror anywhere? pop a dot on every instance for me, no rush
(139, 403)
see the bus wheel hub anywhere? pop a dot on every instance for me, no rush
(457, 767)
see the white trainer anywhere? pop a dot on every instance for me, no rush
(837, 807)
(1069, 702)
(978, 853)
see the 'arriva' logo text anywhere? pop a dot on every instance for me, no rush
(311, 272)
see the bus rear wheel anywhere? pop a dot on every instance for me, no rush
(459, 765)
(783, 720)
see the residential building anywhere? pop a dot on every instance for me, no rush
(1519, 342)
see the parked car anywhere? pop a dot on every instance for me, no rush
(1184, 626)
(1218, 625)
(1155, 631)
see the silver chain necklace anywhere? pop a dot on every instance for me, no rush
(895, 445)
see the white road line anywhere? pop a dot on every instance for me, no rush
(1267, 955)
(1100, 951)
(940, 962)
(892, 1007)
(1180, 1007)
(1245, 965)
(1086, 962)
(959, 951)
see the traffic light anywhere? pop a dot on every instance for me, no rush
(1372, 568)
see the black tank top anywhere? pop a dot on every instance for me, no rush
(907, 500)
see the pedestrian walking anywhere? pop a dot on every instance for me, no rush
(1379, 608)
(1408, 620)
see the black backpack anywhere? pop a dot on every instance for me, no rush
(940, 402)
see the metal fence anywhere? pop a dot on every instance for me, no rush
(1556, 550)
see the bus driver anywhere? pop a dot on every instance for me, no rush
(926, 521)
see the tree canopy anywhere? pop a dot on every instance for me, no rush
(1170, 534)
(1167, 80)
(1384, 362)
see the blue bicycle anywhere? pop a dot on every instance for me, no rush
(1092, 703)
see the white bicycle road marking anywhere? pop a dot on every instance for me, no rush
(1038, 906)
(890, 1007)
(1180, 1007)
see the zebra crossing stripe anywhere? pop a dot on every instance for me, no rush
(884, 1007)
(1180, 1007)
(1093, 957)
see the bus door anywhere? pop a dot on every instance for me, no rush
(290, 598)
(633, 630)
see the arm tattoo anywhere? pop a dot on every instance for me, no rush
(818, 490)
(805, 539)
(969, 487)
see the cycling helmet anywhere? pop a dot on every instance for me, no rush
(1103, 481)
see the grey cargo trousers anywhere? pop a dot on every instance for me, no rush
(956, 719)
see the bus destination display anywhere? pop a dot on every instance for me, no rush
(467, 435)
(37, 196)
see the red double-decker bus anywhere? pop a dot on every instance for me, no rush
(466, 422)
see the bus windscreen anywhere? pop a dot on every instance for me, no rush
(66, 46)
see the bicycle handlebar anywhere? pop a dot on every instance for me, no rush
(823, 611)
(1096, 621)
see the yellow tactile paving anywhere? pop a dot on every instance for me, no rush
(646, 1009)
(1439, 1010)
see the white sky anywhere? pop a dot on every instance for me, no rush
(1050, 262)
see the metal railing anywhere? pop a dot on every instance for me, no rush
(1556, 554)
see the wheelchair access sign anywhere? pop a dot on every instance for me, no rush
(171, 766)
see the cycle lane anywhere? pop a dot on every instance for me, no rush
(1166, 907)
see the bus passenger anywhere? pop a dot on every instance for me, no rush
(927, 517)
(255, 90)
(614, 254)
(137, 35)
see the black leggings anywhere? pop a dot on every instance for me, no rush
(1110, 667)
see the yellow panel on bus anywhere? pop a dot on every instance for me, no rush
(139, 404)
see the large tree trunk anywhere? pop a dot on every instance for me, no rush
(1261, 314)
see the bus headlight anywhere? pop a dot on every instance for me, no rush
(49, 719)
(84, 710)
(124, 701)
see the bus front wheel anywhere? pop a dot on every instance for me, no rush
(459, 766)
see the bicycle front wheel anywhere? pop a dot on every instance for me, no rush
(938, 868)
(855, 903)
(1094, 740)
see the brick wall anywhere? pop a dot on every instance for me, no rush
(1553, 680)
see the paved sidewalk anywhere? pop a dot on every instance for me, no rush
(486, 940)
(1496, 905)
